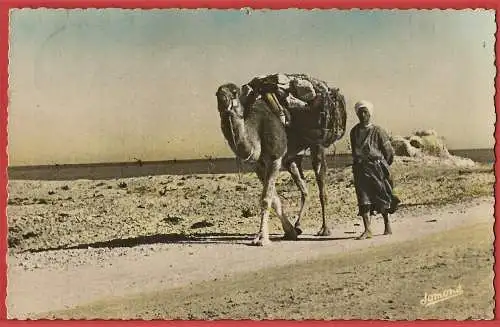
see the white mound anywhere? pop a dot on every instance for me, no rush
(427, 146)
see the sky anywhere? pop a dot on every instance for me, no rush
(111, 85)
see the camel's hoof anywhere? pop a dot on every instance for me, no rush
(298, 230)
(324, 231)
(364, 236)
(388, 232)
(260, 241)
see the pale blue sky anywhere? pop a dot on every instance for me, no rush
(110, 85)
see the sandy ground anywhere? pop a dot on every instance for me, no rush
(66, 280)
(392, 282)
(74, 243)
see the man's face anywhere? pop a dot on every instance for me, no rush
(364, 116)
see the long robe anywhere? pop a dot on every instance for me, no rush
(372, 155)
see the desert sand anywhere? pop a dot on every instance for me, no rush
(123, 248)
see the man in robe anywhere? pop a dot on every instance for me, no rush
(372, 154)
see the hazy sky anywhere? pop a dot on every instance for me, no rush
(111, 85)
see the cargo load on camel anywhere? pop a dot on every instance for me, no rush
(294, 95)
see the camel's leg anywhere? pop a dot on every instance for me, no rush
(298, 161)
(271, 171)
(290, 231)
(319, 166)
(260, 170)
(295, 171)
(387, 224)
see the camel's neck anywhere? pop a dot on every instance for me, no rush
(237, 134)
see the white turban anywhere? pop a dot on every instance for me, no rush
(364, 104)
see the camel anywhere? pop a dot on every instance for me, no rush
(306, 132)
(256, 136)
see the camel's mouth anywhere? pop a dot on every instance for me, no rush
(224, 102)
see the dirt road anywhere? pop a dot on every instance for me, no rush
(63, 279)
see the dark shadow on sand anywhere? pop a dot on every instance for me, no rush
(173, 238)
(202, 238)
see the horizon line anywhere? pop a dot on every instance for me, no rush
(140, 162)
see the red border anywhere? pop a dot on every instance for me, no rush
(256, 4)
(4, 50)
(496, 227)
(5, 5)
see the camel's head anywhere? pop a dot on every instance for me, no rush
(228, 99)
